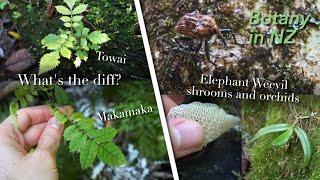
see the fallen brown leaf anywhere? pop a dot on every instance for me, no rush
(19, 61)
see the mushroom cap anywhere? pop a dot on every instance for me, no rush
(214, 120)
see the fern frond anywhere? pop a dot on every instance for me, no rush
(90, 142)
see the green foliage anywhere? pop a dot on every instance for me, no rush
(145, 131)
(3, 4)
(91, 143)
(284, 138)
(72, 43)
(286, 161)
(81, 133)
(24, 95)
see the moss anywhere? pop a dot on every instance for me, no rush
(285, 162)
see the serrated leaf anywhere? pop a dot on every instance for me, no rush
(77, 116)
(75, 25)
(80, 9)
(61, 117)
(283, 138)
(307, 150)
(65, 19)
(63, 10)
(14, 106)
(49, 61)
(77, 18)
(270, 129)
(50, 38)
(23, 102)
(85, 31)
(83, 42)
(65, 52)
(64, 36)
(88, 154)
(53, 46)
(94, 47)
(67, 25)
(70, 3)
(96, 37)
(111, 154)
(83, 55)
(103, 135)
(71, 130)
(61, 96)
(77, 142)
(68, 44)
(29, 98)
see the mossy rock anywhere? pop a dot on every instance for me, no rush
(285, 162)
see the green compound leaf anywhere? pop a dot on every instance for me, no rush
(79, 9)
(49, 61)
(65, 52)
(14, 106)
(307, 150)
(96, 37)
(61, 96)
(65, 19)
(88, 154)
(283, 138)
(63, 10)
(111, 154)
(77, 18)
(84, 138)
(70, 3)
(270, 129)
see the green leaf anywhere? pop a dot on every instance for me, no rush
(67, 25)
(75, 24)
(111, 154)
(85, 31)
(61, 96)
(83, 55)
(88, 154)
(94, 47)
(71, 130)
(49, 61)
(270, 129)
(83, 42)
(77, 18)
(14, 106)
(50, 38)
(68, 44)
(77, 142)
(96, 37)
(307, 150)
(63, 10)
(64, 36)
(61, 117)
(65, 52)
(53, 46)
(29, 98)
(80, 9)
(103, 135)
(70, 3)
(283, 138)
(65, 19)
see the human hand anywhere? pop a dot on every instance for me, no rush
(186, 134)
(36, 126)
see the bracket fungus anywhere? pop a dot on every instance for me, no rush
(214, 120)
